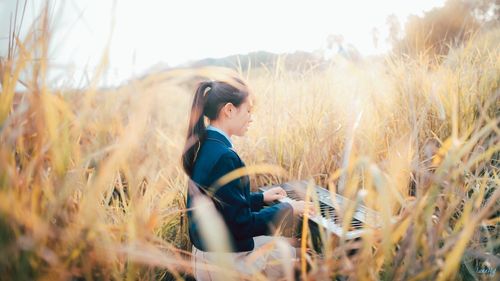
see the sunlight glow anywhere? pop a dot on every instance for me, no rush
(149, 33)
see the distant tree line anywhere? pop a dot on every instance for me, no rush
(291, 61)
(441, 28)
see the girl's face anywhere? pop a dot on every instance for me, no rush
(242, 117)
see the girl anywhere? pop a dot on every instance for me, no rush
(209, 155)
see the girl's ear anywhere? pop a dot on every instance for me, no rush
(228, 110)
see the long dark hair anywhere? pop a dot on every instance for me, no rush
(209, 98)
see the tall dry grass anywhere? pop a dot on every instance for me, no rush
(91, 184)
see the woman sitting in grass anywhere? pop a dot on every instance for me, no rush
(208, 156)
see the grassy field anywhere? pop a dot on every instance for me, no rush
(91, 185)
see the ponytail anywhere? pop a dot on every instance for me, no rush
(196, 128)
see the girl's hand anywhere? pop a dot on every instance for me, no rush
(301, 207)
(273, 194)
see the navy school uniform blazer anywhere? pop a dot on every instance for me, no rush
(241, 210)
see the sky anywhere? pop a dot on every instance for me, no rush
(141, 34)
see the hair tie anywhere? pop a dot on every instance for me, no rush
(210, 85)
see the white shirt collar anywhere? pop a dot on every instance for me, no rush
(212, 128)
